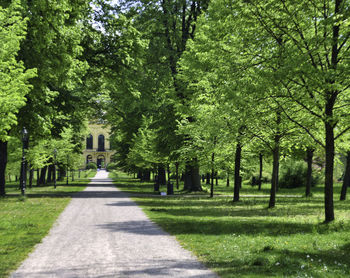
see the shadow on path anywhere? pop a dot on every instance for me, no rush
(149, 268)
(142, 227)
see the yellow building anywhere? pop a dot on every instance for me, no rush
(97, 145)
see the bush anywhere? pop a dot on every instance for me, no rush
(255, 180)
(91, 165)
(111, 166)
(293, 174)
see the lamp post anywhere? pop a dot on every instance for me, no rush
(24, 146)
(54, 168)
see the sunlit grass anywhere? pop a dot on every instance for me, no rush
(24, 221)
(245, 239)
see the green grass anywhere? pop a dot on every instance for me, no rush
(245, 239)
(25, 221)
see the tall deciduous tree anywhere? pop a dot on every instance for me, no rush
(14, 85)
(52, 47)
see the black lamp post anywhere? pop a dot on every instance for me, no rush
(24, 146)
(54, 167)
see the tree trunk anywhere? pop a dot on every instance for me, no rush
(309, 156)
(37, 177)
(195, 177)
(146, 175)
(238, 179)
(212, 175)
(50, 173)
(208, 179)
(42, 179)
(260, 170)
(177, 174)
(31, 174)
(328, 188)
(192, 180)
(55, 176)
(187, 177)
(346, 181)
(3, 163)
(275, 170)
(161, 175)
(61, 173)
(228, 180)
(139, 174)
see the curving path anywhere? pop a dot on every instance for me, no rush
(102, 233)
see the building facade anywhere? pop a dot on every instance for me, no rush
(97, 145)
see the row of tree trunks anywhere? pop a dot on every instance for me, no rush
(161, 175)
(207, 179)
(144, 175)
(42, 177)
(50, 173)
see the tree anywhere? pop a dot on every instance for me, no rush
(51, 46)
(304, 68)
(14, 85)
(314, 69)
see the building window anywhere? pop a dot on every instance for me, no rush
(89, 142)
(101, 143)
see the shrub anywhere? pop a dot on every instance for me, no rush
(91, 165)
(255, 180)
(293, 174)
(111, 166)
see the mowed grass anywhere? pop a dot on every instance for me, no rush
(245, 239)
(25, 221)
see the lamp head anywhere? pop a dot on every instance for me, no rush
(24, 134)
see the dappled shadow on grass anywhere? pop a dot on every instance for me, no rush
(287, 263)
(284, 262)
(203, 202)
(236, 226)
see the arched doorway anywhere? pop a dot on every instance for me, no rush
(88, 158)
(101, 161)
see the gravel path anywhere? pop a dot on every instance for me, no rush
(102, 233)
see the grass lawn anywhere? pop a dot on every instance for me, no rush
(245, 239)
(25, 221)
